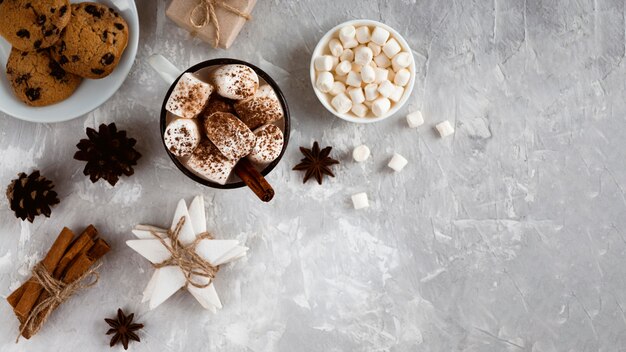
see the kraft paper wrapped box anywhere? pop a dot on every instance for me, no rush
(195, 16)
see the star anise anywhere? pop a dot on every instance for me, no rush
(123, 328)
(316, 163)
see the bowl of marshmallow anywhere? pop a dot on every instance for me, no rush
(219, 115)
(362, 71)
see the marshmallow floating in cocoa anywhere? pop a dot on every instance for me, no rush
(235, 81)
(182, 136)
(230, 135)
(189, 96)
(207, 161)
(263, 108)
(269, 144)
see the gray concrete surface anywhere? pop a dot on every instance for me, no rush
(508, 236)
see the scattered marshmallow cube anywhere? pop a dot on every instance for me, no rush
(360, 201)
(354, 79)
(368, 74)
(381, 106)
(397, 162)
(361, 153)
(397, 94)
(363, 55)
(381, 75)
(376, 49)
(341, 103)
(400, 61)
(385, 89)
(391, 48)
(371, 92)
(356, 95)
(380, 36)
(336, 49)
(415, 119)
(402, 77)
(363, 34)
(343, 68)
(338, 88)
(444, 128)
(324, 63)
(325, 81)
(382, 61)
(347, 55)
(359, 110)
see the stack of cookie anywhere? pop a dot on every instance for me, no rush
(56, 44)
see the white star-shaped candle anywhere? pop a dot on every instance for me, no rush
(168, 279)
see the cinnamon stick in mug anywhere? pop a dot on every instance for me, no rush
(254, 180)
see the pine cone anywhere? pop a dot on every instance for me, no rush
(108, 153)
(31, 195)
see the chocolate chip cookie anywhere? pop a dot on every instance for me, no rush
(33, 24)
(37, 79)
(93, 42)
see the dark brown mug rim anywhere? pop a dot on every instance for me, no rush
(268, 80)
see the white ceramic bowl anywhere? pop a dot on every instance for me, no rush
(322, 49)
(90, 94)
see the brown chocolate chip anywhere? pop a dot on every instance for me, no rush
(75, 58)
(62, 46)
(107, 59)
(97, 71)
(1, 1)
(119, 26)
(28, 5)
(104, 35)
(33, 93)
(22, 78)
(63, 60)
(94, 11)
(62, 10)
(55, 70)
(41, 19)
(53, 10)
(37, 44)
(48, 33)
(23, 33)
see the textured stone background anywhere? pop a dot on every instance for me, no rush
(508, 236)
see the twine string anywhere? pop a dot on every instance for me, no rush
(204, 13)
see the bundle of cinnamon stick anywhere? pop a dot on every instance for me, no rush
(68, 260)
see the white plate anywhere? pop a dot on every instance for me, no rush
(90, 94)
(322, 48)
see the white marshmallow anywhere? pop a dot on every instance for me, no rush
(350, 43)
(371, 92)
(391, 48)
(347, 55)
(363, 34)
(269, 144)
(338, 88)
(381, 75)
(359, 110)
(368, 75)
(445, 128)
(343, 68)
(360, 201)
(325, 81)
(354, 79)
(391, 75)
(402, 77)
(397, 162)
(335, 47)
(356, 68)
(376, 49)
(415, 119)
(179, 102)
(347, 33)
(356, 95)
(210, 163)
(386, 89)
(397, 94)
(381, 106)
(380, 36)
(324, 63)
(361, 153)
(400, 61)
(236, 81)
(182, 136)
(341, 103)
(363, 55)
(382, 61)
